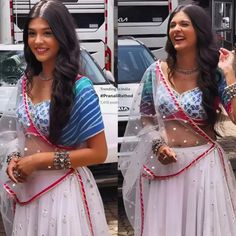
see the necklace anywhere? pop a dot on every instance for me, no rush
(186, 71)
(43, 77)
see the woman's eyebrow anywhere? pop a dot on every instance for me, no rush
(181, 21)
(46, 28)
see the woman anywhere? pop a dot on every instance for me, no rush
(177, 180)
(51, 135)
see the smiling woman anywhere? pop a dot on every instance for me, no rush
(177, 179)
(42, 41)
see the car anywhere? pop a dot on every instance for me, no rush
(133, 60)
(12, 66)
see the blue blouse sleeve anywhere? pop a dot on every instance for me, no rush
(86, 119)
(147, 103)
(223, 96)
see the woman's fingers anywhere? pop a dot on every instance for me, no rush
(171, 153)
(167, 156)
(20, 176)
(10, 172)
(14, 173)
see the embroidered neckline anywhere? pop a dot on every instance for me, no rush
(168, 84)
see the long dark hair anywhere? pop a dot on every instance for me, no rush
(207, 56)
(67, 62)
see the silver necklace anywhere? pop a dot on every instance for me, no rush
(43, 77)
(186, 71)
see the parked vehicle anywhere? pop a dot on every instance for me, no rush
(133, 59)
(146, 21)
(12, 67)
(94, 20)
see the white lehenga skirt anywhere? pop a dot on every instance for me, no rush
(197, 202)
(62, 210)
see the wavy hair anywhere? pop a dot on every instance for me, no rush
(207, 56)
(67, 62)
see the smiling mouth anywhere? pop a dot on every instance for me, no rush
(178, 39)
(41, 50)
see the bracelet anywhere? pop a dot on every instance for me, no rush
(156, 144)
(61, 160)
(13, 155)
(230, 91)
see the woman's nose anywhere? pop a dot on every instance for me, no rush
(177, 27)
(38, 38)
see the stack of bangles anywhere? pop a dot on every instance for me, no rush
(156, 144)
(13, 155)
(61, 160)
(230, 91)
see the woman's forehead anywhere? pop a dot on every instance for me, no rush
(180, 16)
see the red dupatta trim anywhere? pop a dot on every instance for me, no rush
(32, 128)
(13, 194)
(183, 116)
(181, 113)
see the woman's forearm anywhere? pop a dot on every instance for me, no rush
(81, 157)
(231, 79)
(95, 153)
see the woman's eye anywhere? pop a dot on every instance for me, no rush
(31, 33)
(48, 33)
(172, 25)
(185, 24)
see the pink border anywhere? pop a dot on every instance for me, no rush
(13, 194)
(85, 202)
(201, 132)
(142, 205)
(34, 130)
(151, 175)
(180, 109)
(32, 127)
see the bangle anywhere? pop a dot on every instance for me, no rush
(156, 144)
(230, 91)
(13, 155)
(61, 160)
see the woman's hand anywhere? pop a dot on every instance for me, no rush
(226, 60)
(166, 155)
(25, 167)
(11, 170)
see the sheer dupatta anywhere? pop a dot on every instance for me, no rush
(23, 137)
(158, 111)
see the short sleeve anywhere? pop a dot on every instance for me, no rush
(147, 103)
(86, 119)
(223, 96)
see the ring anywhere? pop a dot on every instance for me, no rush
(17, 173)
(164, 157)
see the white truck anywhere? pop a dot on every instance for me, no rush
(94, 20)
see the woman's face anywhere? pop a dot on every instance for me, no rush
(182, 33)
(42, 41)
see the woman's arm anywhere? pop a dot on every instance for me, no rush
(94, 153)
(226, 61)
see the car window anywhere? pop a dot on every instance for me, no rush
(12, 67)
(90, 68)
(132, 63)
